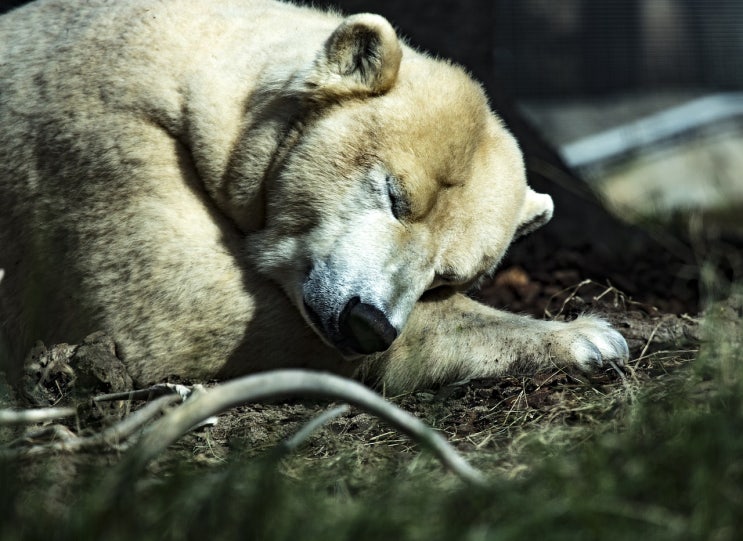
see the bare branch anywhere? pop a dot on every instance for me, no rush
(129, 425)
(111, 437)
(290, 444)
(202, 405)
(30, 416)
(283, 383)
(161, 389)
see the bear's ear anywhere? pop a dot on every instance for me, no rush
(361, 57)
(536, 212)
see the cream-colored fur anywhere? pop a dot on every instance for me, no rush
(235, 185)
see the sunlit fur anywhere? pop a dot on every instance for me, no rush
(190, 175)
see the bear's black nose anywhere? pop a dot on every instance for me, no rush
(365, 327)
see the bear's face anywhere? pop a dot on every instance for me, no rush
(388, 196)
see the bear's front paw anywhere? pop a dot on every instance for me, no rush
(590, 342)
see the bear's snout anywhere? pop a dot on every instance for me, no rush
(365, 327)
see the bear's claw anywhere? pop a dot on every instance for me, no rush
(594, 342)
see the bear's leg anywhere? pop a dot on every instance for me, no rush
(453, 338)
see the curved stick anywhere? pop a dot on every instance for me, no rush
(290, 444)
(281, 383)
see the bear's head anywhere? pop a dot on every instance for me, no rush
(399, 181)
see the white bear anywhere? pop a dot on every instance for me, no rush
(239, 185)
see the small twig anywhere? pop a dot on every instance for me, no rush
(619, 296)
(129, 425)
(609, 289)
(292, 443)
(283, 383)
(618, 371)
(670, 354)
(625, 381)
(110, 437)
(156, 391)
(650, 339)
(30, 416)
(570, 297)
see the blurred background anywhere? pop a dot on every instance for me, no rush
(640, 98)
(635, 106)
